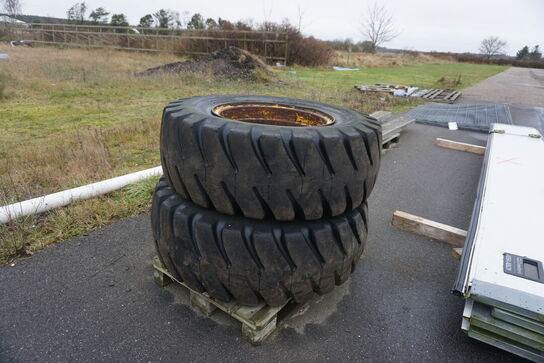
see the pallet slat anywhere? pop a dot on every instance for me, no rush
(425, 227)
(258, 322)
(436, 94)
(455, 96)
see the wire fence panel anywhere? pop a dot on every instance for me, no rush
(478, 117)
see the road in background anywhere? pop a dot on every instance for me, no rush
(521, 88)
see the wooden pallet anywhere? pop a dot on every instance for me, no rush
(441, 95)
(382, 88)
(391, 127)
(375, 89)
(434, 94)
(258, 322)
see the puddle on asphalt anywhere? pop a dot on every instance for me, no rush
(318, 310)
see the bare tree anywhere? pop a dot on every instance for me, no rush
(267, 13)
(12, 7)
(300, 16)
(184, 19)
(377, 26)
(492, 46)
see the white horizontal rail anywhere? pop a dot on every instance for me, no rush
(60, 199)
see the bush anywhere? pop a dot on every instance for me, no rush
(309, 52)
(304, 51)
(368, 47)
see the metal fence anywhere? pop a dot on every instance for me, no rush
(268, 45)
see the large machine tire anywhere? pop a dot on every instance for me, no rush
(257, 161)
(232, 257)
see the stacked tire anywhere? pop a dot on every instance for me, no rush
(263, 198)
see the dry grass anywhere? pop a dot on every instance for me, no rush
(365, 60)
(76, 158)
(65, 116)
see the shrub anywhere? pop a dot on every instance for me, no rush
(309, 52)
(305, 51)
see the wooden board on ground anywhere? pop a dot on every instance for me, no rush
(441, 95)
(391, 126)
(376, 89)
(394, 126)
(382, 116)
(258, 322)
(385, 88)
(461, 146)
(425, 227)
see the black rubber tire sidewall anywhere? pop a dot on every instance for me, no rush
(235, 258)
(265, 171)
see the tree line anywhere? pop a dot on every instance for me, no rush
(163, 18)
(494, 46)
(534, 54)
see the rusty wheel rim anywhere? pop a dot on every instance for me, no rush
(273, 114)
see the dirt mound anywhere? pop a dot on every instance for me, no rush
(231, 62)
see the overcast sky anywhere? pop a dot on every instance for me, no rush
(455, 26)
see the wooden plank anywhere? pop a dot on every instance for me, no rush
(431, 93)
(436, 94)
(394, 126)
(425, 227)
(427, 93)
(461, 146)
(454, 97)
(449, 95)
(382, 116)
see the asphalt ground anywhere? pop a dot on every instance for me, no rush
(521, 86)
(92, 298)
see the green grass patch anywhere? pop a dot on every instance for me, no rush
(420, 75)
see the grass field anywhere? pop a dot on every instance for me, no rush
(420, 75)
(70, 117)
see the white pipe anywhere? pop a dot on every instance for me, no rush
(60, 199)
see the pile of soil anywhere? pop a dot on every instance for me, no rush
(231, 63)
